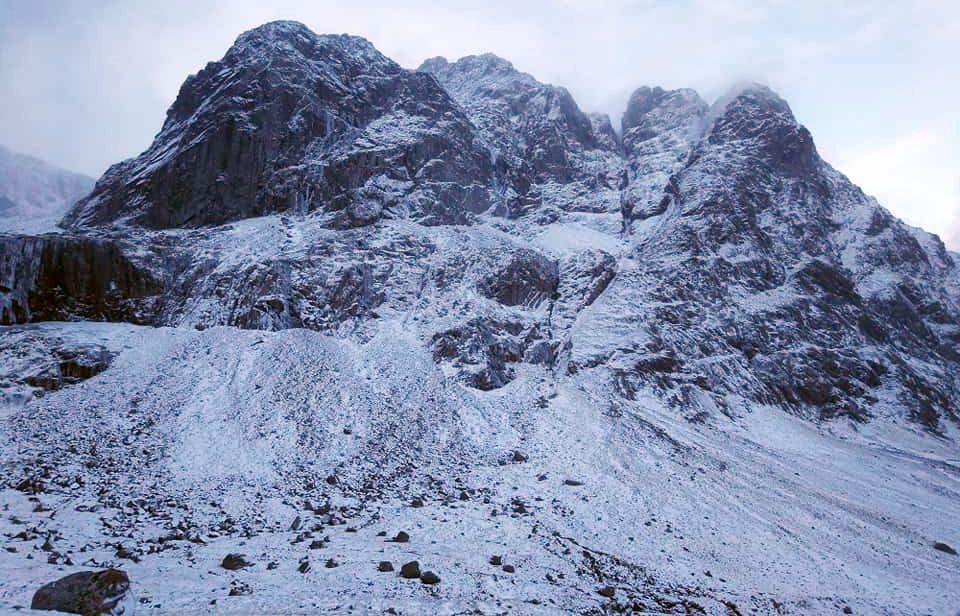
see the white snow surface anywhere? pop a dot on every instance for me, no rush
(761, 510)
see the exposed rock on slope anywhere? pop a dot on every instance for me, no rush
(58, 278)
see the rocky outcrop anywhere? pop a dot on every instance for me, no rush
(527, 279)
(58, 278)
(538, 133)
(292, 121)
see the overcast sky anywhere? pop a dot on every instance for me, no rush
(86, 84)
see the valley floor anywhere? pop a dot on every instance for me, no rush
(196, 444)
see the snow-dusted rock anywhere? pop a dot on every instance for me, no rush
(692, 368)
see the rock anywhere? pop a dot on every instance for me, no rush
(528, 279)
(607, 591)
(291, 121)
(65, 277)
(496, 561)
(385, 566)
(518, 457)
(416, 503)
(572, 482)
(304, 566)
(272, 565)
(331, 563)
(943, 547)
(429, 578)
(401, 537)
(410, 570)
(847, 609)
(90, 593)
(233, 562)
(296, 524)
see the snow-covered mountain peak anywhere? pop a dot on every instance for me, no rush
(664, 109)
(753, 115)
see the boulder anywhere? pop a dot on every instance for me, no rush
(90, 593)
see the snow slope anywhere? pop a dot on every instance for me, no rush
(761, 510)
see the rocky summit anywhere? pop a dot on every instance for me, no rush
(682, 366)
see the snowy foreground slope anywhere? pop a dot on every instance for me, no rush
(221, 432)
(684, 369)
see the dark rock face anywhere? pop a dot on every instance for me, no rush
(90, 593)
(527, 279)
(331, 124)
(56, 278)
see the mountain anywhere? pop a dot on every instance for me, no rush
(288, 121)
(31, 188)
(686, 367)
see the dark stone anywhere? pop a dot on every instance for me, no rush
(528, 279)
(943, 547)
(572, 482)
(88, 592)
(509, 569)
(429, 578)
(331, 563)
(496, 561)
(416, 503)
(232, 562)
(410, 570)
(385, 566)
(401, 537)
(607, 591)
(304, 566)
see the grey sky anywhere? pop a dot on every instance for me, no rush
(87, 83)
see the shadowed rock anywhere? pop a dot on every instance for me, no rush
(90, 593)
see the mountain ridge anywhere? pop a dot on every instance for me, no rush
(686, 367)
